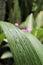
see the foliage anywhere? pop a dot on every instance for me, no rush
(18, 10)
(37, 6)
(38, 33)
(6, 55)
(2, 36)
(15, 14)
(28, 22)
(29, 52)
(39, 20)
(2, 9)
(28, 16)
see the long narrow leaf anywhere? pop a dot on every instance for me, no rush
(26, 49)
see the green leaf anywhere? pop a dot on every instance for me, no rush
(37, 46)
(6, 55)
(29, 21)
(2, 9)
(2, 36)
(15, 14)
(38, 33)
(26, 49)
(39, 20)
(37, 7)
